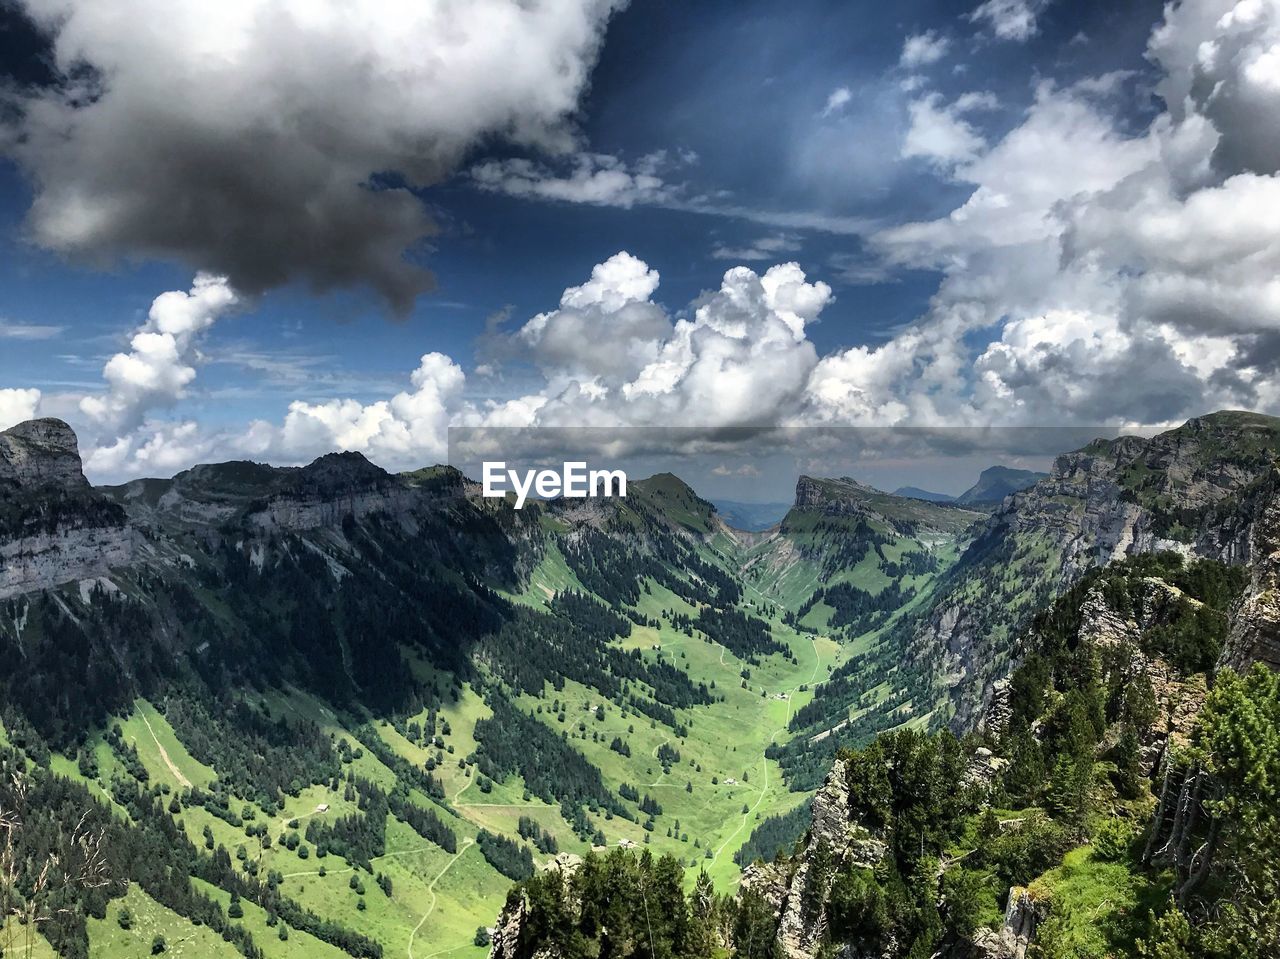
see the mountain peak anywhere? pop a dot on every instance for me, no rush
(674, 499)
(997, 482)
(41, 453)
(341, 472)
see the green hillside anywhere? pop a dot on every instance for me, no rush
(328, 710)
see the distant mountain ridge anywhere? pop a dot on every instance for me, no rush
(915, 492)
(997, 482)
(993, 485)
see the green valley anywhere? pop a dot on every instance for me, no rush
(333, 711)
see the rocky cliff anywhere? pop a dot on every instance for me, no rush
(847, 497)
(1195, 490)
(1255, 636)
(336, 486)
(54, 528)
(835, 840)
(40, 455)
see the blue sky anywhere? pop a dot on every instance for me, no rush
(861, 142)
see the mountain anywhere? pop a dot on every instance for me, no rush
(751, 517)
(997, 482)
(261, 672)
(53, 526)
(330, 710)
(1073, 824)
(915, 492)
(1195, 490)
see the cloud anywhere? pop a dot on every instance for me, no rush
(922, 49)
(408, 430)
(1010, 19)
(600, 179)
(745, 469)
(160, 450)
(763, 248)
(613, 306)
(837, 100)
(940, 133)
(17, 405)
(158, 367)
(592, 178)
(273, 142)
(1065, 146)
(1222, 61)
(738, 359)
(28, 331)
(1087, 363)
(1093, 274)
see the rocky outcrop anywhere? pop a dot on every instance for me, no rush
(40, 455)
(835, 841)
(997, 482)
(54, 528)
(65, 555)
(331, 489)
(1022, 916)
(1255, 633)
(848, 497)
(504, 936)
(1195, 490)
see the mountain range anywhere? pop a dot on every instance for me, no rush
(330, 709)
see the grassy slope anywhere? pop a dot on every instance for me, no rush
(439, 899)
(107, 940)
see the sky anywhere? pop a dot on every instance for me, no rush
(270, 229)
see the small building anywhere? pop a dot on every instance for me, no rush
(730, 781)
(323, 807)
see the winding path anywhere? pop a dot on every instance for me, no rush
(431, 888)
(817, 665)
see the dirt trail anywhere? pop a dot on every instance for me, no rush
(817, 665)
(431, 888)
(177, 773)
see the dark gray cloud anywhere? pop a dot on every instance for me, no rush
(248, 138)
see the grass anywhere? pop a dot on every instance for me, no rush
(1096, 907)
(299, 945)
(107, 940)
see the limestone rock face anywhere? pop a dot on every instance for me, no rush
(507, 930)
(1255, 633)
(1196, 490)
(40, 454)
(505, 935)
(1022, 915)
(54, 527)
(332, 488)
(835, 841)
(63, 556)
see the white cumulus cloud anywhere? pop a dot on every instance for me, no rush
(17, 405)
(158, 367)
